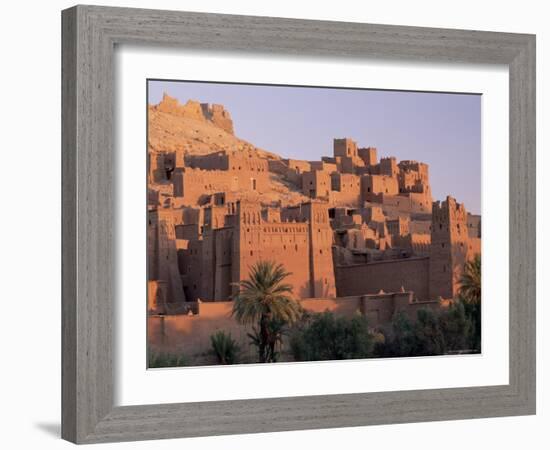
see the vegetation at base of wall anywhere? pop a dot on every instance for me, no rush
(276, 329)
(470, 296)
(321, 337)
(450, 331)
(224, 347)
(473, 315)
(265, 300)
(470, 281)
(159, 360)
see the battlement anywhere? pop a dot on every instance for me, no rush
(448, 209)
(345, 147)
(215, 114)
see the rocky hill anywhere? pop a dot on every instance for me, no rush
(196, 128)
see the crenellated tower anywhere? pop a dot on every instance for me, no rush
(448, 249)
(322, 283)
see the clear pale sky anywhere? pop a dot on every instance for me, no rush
(442, 130)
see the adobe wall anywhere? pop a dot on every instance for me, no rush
(321, 237)
(284, 243)
(316, 184)
(190, 333)
(282, 168)
(474, 225)
(398, 226)
(161, 246)
(388, 166)
(419, 244)
(189, 267)
(345, 147)
(368, 155)
(299, 165)
(449, 249)
(410, 203)
(323, 166)
(195, 184)
(420, 226)
(389, 276)
(371, 185)
(373, 213)
(211, 161)
(474, 247)
(345, 189)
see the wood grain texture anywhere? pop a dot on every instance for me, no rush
(89, 36)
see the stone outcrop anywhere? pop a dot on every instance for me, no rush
(218, 115)
(204, 112)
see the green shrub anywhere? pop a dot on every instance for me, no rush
(428, 336)
(158, 360)
(322, 337)
(472, 312)
(456, 327)
(224, 348)
(400, 339)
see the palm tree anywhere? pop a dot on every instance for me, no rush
(470, 282)
(470, 295)
(265, 299)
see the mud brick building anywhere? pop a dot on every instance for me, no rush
(351, 229)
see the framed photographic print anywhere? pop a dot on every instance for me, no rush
(277, 224)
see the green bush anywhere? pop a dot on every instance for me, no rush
(224, 348)
(472, 312)
(322, 337)
(159, 360)
(428, 336)
(456, 329)
(399, 340)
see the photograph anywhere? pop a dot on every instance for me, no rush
(298, 223)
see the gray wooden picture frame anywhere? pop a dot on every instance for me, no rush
(89, 37)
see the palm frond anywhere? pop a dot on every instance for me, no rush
(265, 293)
(470, 282)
